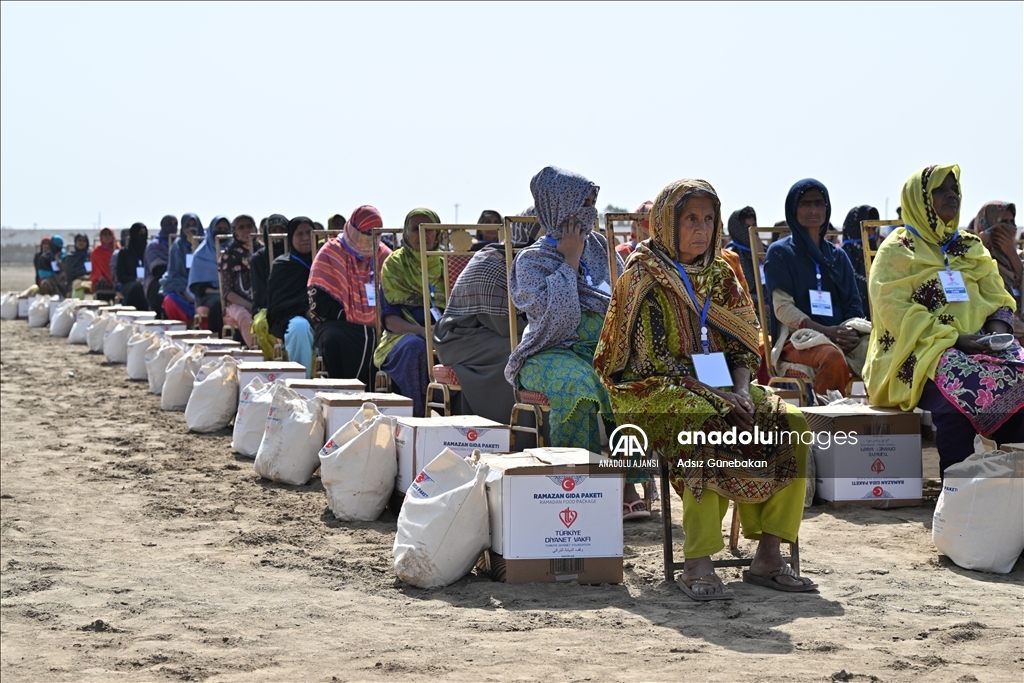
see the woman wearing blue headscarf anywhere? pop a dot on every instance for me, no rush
(204, 277)
(817, 314)
(178, 303)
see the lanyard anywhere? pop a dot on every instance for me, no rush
(350, 249)
(851, 241)
(817, 274)
(583, 264)
(944, 247)
(296, 258)
(740, 246)
(703, 314)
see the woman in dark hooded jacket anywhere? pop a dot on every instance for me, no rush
(131, 269)
(288, 300)
(855, 249)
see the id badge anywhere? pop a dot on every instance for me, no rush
(605, 287)
(712, 369)
(764, 280)
(435, 313)
(188, 260)
(54, 266)
(88, 266)
(953, 285)
(821, 303)
(371, 294)
(140, 272)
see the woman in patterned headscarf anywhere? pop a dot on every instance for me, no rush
(997, 228)
(674, 287)
(561, 282)
(402, 352)
(235, 280)
(924, 348)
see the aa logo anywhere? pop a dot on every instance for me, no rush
(628, 441)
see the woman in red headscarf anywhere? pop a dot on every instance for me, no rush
(101, 277)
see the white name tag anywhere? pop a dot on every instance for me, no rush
(371, 294)
(605, 287)
(435, 313)
(821, 303)
(140, 272)
(712, 369)
(763, 280)
(88, 266)
(953, 285)
(54, 266)
(188, 260)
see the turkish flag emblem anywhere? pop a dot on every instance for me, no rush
(472, 435)
(568, 517)
(877, 491)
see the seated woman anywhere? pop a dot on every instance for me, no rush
(924, 349)
(812, 289)
(49, 267)
(177, 302)
(666, 376)
(101, 277)
(77, 265)
(561, 282)
(996, 225)
(259, 264)
(204, 276)
(402, 352)
(638, 231)
(288, 301)
(131, 268)
(156, 258)
(473, 335)
(235, 283)
(485, 237)
(342, 297)
(855, 250)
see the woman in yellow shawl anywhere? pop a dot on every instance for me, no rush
(924, 349)
(402, 352)
(678, 305)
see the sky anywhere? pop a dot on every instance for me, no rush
(126, 112)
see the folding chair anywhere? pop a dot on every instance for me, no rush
(459, 242)
(320, 238)
(610, 219)
(272, 238)
(865, 243)
(227, 331)
(381, 382)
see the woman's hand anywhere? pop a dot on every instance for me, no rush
(845, 338)
(742, 414)
(969, 345)
(571, 244)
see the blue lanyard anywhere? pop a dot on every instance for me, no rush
(296, 258)
(431, 295)
(740, 246)
(703, 314)
(851, 241)
(350, 249)
(817, 274)
(583, 264)
(944, 247)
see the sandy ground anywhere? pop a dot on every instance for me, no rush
(132, 550)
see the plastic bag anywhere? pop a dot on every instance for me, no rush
(251, 418)
(444, 524)
(79, 333)
(214, 398)
(39, 311)
(157, 360)
(9, 306)
(292, 438)
(115, 342)
(978, 521)
(63, 319)
(138, 345)
(359, 465)
(181, 373)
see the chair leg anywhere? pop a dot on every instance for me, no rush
(445, 405)
(538, 417)
(734, 529)
(666, 524)
(382, 383)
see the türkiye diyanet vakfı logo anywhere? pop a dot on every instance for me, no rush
(629, 445)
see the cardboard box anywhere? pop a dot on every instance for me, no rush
(310, 387)
(555, 516)
(421, 439)
(1011, 447)
(873, 455)
(159, 327)
(269, 372)
(189, 334)
(341, 408)
(113, 308)
(135, 315)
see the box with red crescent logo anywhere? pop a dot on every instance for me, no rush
(421, 439)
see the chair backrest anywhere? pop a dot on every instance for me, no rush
(218, 242)
(869, 253)
(377, 232)
(283, 236)
(609, 232)
(510, 252)
(455, 249)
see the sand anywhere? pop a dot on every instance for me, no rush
(133, 550)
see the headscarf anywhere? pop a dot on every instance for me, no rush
(525, 233)
(74, 263)
(987, 219)
(851, 226)
(136, 246)
(175, 278)
(558, 195)
(739, 233)
(341, 272)
(914, 325)
(287, 290)
(184, 222)
(645, 224)
(855, 250)
(57, 246)
(101, 254)
(204, 262)
(823, 253)
(157, 253)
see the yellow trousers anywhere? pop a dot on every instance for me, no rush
(779, 516)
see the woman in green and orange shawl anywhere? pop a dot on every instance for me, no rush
(645, 358)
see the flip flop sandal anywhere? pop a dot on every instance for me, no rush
(630, 511)
(711, 580)
(770, 582)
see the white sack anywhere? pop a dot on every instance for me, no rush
(39, 311)
(79, 333)
(115, 342)
(214, 398)
(444, 524)
(292, 438)
(181, 374)
(9, 306)
(138, 344)
(158, 358)
(63, 319)
(978, 521)
(359, 465)
(98, 328)
(251, 418)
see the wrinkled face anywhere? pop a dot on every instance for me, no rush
(695, 228)
(413, 234)
(302, 240)
(946, 199)
(810, 210)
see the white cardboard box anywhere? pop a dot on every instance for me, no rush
(550, 503)
(341, 408)
(421, 439)
(268, 372)
(877, 461)
(159, 327)
(189, 334)
(310, 387)
(136, 316)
